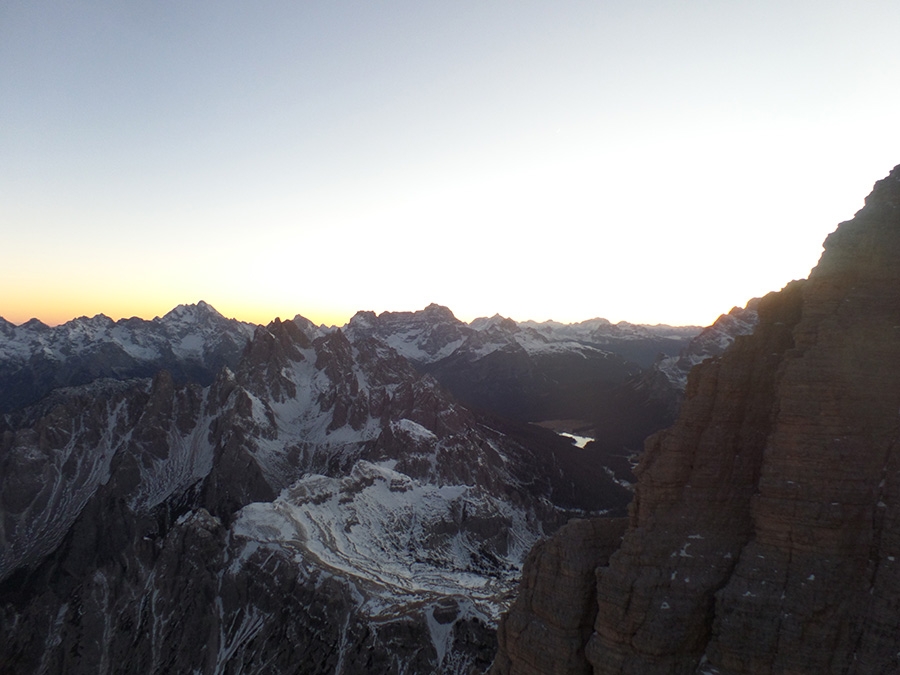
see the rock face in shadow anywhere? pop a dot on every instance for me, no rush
(545, 631)
(764, 536)
(692, 511)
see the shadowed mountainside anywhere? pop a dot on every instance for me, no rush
(764, 536)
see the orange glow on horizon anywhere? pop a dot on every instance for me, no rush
(451, 155)
(55, 313)
(62, 309)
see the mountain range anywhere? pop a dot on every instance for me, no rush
(192, 342)
(198, 494)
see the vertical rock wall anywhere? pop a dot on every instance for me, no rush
(691, 515)
(546, 630)
(764, 536)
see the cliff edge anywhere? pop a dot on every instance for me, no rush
(764, 535)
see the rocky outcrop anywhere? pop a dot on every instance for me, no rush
(545, 631)
(765, 531)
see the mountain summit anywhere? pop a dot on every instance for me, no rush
(192, 342)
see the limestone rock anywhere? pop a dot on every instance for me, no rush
(764, 535)
(545, 631)
(765, 526)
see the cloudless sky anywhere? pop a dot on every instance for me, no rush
(655, 162)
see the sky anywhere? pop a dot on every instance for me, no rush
(649, 161)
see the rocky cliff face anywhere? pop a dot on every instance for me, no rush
(765, 531)
(546, 630)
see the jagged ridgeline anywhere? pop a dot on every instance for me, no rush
(764, 536)
(192, 342)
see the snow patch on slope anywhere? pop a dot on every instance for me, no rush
(401, 538)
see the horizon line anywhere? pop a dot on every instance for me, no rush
(56, 323)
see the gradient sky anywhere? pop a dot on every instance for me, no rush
(655, 162)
